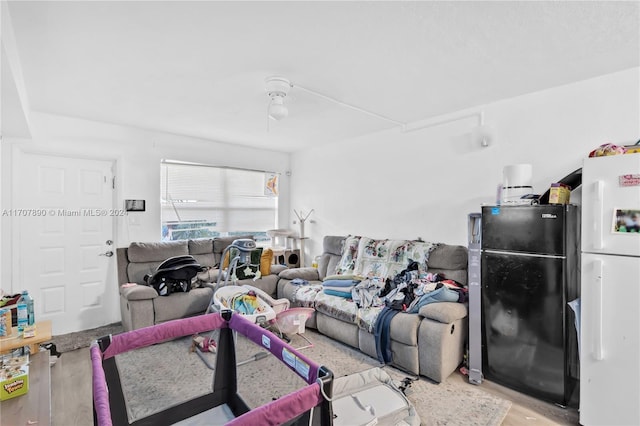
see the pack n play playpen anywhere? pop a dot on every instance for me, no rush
(365, 398)
(223, 405)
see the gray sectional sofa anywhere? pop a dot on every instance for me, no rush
(430, 343)
(141, 306)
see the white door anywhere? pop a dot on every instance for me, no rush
(610, 185)
(63, 230)
(610, 340)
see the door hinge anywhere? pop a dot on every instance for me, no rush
(113, 182)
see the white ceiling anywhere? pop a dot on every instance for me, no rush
(198, 68)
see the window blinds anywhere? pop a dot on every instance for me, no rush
(231, 201)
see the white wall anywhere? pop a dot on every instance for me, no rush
(424, 183)
(387, 185)
(137, 154)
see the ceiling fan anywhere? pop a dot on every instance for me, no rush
(277, 88)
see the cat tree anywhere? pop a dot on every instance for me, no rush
(302, 218)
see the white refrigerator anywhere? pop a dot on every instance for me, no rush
(610, 292)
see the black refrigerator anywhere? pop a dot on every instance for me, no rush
(529, 272)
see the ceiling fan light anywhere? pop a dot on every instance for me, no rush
(277, 109)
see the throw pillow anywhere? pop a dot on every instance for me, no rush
(347, 262)
(265, 261)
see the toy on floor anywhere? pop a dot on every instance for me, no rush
(205, 344)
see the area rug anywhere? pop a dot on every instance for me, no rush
(166, 374)
(82, 339)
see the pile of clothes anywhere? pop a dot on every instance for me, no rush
(407, 291)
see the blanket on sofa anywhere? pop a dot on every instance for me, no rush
(345, 309)
(370, 269)
(368, 257)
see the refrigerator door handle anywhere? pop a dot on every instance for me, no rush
(598, 351)
(598, 215)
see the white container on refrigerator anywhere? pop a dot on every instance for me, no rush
(610, 294)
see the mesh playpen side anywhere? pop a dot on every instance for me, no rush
(308, 405)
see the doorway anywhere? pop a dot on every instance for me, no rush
(63, 227)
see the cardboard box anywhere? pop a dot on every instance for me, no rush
(14, 376)
(5, 322)
(559, 193)
(29, 331)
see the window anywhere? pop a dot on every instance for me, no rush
(200, 201)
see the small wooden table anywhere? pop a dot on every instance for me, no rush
(14, 341)
(35, 406)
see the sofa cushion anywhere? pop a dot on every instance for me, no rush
(333, 244)
(157, 251)
(137, 271)
(205, 260)
(347, 311)
(444, 312)
(201, 246)
(221, 243)
(180, 305)
(446, 256)
(404, 328)
(328, 264)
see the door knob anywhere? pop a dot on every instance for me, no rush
(108, 253)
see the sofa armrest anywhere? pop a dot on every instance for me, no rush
(309, 274)
(276, 269)
(212, 285)
(138, 292)
(444, 312)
